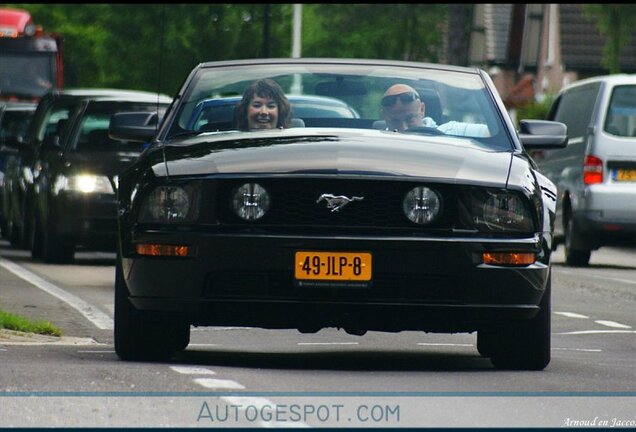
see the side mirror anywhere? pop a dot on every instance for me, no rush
(133, 126)
(543, 134)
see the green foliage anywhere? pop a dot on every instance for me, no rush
(154, 46)
(19, 323)
(616, 22)
(535, 110)
(381, 31)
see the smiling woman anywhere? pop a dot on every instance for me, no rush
(338, 223)
(264, 106)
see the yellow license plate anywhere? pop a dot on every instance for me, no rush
(333, 266)
(627, 175)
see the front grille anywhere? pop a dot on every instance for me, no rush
(293, 203)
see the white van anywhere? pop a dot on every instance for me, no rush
(596, 173)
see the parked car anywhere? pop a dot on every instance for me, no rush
(338, 224)
(596, 173)
(74, 193)
(14, 122)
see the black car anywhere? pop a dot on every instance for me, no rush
(339, 224)
(23, 167)
(14, 122)
(74, 192)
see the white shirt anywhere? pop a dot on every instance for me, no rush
(458, 128)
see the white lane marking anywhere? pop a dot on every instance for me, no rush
(192, 370)
(218, 383)
(577, 349)
(256, 402)
(572, 315)
(612, 324)
(627, 281)
(445, 344)
(90, 312)
(328, 343)
(97, 352)
(584, 332)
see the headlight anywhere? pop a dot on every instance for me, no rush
(170, 204)
(502, 211)
(250, 201)
(84, 183)
(422, 205)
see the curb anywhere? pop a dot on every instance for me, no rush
(12, 337)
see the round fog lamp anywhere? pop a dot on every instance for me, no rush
(250, 201)
(422, 205)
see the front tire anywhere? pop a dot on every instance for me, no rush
(574, 257)
(50, 246)
(525, 344)
(145, 335)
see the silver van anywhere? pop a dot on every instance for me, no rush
(596, 173)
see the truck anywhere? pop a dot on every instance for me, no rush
(31, 60)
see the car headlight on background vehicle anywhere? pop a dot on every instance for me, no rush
(502, 211)
(170, 204)
(422, 205)
(250, 201)
(84, 183)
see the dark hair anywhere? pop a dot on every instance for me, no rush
(265, 88)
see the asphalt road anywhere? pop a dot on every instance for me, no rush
(231, 377)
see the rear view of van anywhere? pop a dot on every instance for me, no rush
(596, 173)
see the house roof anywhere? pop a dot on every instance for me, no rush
(497, 20)
(582, 44)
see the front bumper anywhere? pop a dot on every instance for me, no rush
(89, 220)
(418, 283)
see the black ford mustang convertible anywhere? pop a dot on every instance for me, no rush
(422, 211)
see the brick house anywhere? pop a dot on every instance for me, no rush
(532, 50)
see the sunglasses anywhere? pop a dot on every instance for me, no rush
(405, 98)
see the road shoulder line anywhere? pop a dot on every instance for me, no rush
(90, 312)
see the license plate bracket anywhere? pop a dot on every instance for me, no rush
(320, 268)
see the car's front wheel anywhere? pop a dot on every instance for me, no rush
(485, 340)
(144, 335)
(525, 344)
(575, 257)
(48, 244)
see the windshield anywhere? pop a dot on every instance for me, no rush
(92, 134)
(416, 100)
(14, 125)
(26, 74)
(621, 113)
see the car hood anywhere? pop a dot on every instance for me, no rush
(336, 151)
(103, 163)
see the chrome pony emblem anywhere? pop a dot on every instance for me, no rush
(335, 203)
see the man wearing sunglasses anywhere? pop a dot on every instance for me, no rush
(402, 108)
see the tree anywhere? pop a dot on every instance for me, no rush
(616, 22)
(153, 47)
(380, 31)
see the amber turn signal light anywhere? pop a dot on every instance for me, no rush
(509, 258)
(162, 250)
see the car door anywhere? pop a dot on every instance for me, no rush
(564, 167)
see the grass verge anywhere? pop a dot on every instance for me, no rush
(18, 323)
